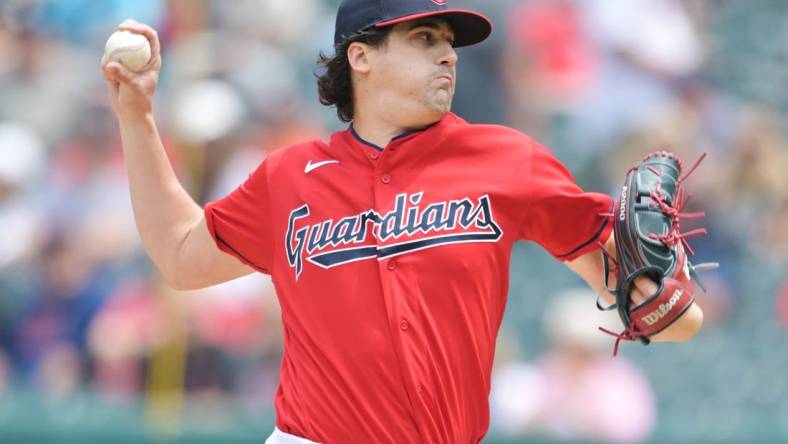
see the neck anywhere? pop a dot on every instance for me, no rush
(377, 130)
(381, 128)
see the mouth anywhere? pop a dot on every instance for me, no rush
(445, 80)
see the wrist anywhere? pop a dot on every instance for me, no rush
(135, 118)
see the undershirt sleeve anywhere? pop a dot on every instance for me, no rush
(561, 217)
(240, 223)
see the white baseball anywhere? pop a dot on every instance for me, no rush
(129, 49)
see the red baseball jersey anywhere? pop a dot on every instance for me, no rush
(392, 268)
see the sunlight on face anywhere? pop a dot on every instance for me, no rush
(415, 72)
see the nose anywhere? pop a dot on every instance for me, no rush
(449, 57)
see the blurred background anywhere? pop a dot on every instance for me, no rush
(94, 348)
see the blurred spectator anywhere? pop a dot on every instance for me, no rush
(762, 147)
(240, 319)
(206, 111)
(575, 390)
(61, 371)
(78, 21)
(70, 289)
(22, 162)
(549, 64)
(130, 326)
(646, 49)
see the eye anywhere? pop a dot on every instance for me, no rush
(426, 36)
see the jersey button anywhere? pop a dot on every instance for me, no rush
(419, 387)
(386, 179)
(404, 325)
(374, 156)
(392, 265)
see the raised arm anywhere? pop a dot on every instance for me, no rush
(172, 226)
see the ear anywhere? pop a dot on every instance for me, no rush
(358, 57)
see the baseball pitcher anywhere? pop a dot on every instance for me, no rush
(389, 244)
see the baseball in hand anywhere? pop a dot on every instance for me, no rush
(129, 49)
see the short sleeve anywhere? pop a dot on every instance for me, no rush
(561, 217)
(240, 223)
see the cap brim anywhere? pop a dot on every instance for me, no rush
(470, 27)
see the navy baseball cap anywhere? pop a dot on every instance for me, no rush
(470, 27)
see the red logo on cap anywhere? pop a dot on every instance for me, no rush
(439, 2)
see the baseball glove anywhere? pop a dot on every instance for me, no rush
(649, 243)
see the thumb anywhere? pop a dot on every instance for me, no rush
(119, 73)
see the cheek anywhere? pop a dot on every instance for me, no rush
(405, 74)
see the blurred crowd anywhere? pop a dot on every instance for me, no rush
(602, 82)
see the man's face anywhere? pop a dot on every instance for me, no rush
(415, 71)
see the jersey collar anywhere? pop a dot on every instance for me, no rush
(428, 137)
(401, 136)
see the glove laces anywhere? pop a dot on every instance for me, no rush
(670, 239)
(629, 334)
(674, 212)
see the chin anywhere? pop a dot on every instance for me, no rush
(431, 111)
(439, 110)
(440, 107)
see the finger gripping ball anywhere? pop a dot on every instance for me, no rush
(129, 49)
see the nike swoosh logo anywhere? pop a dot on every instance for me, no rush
(313, 166)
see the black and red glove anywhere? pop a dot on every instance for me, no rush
(649, 243)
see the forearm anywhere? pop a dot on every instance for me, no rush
(590, 268)
(684, 328)
(170, 223)
(163, 211)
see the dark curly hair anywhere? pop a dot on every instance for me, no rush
(333, 84)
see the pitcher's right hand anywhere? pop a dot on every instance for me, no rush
(131, 93)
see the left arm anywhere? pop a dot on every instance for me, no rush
(589, 267)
